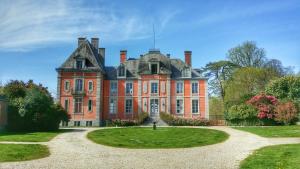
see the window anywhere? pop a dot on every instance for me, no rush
(113, 88)
(90, 105)
(77, 123)
(88, 123)
(179, 87)
(79, 64)
(195, 104)
(154, 68)
(179, 106)
(64, 124)
(154, 88)
(91, 87)
(186, 72)
(67, 85)
(128, 106)
(67, 105)
(194, 87)
(121, 71)
(129, 89)
(78, 85)
(78, 105)
(113, 106)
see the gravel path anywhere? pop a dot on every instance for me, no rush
(74, 150)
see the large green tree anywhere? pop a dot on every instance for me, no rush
(218, 73)
(247, 55)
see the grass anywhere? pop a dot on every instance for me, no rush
(29, 136)
(273, 131)
(274, 157)
(166, 137)
(22, 152)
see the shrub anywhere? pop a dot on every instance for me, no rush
(287, 87)
(286, 113)
(241, 112)
(179, 121)
(128, 122)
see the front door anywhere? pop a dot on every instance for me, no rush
(154, 107)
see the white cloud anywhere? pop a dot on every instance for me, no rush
(27, 25)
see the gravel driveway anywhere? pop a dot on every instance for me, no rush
(74, 150)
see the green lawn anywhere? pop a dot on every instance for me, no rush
(29, 136)
(274, 157)
(166, 137)
(21, 152)
(273, 131)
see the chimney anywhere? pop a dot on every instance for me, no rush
(188, 57)
(123, 56)
(95, 42)
(101, 52)
(80, 41)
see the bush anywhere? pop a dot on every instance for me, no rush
(128, 122)
(179, 121)
(286, 113)
(287, 87)
(242, 115)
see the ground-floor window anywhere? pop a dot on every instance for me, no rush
(77, 123)
(113, 106)
(179, 106)
(89, 123)
(195, 106)
(128, 106)
(64, 123)
(66, 105)
(90, 105)
(78, 105)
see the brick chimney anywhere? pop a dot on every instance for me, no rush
(95, 42)
(188, 57)
(80, 41)
(123, 56)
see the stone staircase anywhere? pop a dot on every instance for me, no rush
(159, 122)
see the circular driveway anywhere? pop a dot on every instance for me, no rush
(74, 150)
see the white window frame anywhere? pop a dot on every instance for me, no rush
(81, 111)
(113, 109)
(83, 63)
(152, 83)
(182, 109)
(131, 90)
(82, 84)
(110, 88)
(65, 85)
(198, 108)
(118, 71)
(90, 82)
(182, 87)
(197, 84)
(131, 107)
(90, 101)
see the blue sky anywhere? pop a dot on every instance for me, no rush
(37, 36)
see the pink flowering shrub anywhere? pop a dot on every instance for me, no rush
(286, 113)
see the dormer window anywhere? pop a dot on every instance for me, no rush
(79, 64)
(121, 71)
(186, 72)
(154, 69)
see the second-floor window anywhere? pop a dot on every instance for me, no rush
(78, 85)
(113, 88)
(79, 64)
(67, 85)
(194, 87)
(91, 87)
(179, 87)
(129, 89)
(154, 87)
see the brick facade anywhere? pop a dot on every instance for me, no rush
(92, 92)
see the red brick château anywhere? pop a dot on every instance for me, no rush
(92, 92)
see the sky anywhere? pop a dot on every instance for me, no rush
(38, 36)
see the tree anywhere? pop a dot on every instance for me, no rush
(245, 83)
(277, 67)
(287, 87)
(218, 72)
(216, 108)
(247, 55)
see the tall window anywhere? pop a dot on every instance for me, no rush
(113, 106)
(79, 64)
(78, 105)
(79, 85)
(129, 89)
(67, 85)
(90, 105)
(128, 106)
(179, 87)
(179, 106)
(186, 72)
(113, 88)
(121, 71)
(91, 87)
(154, 68)
(195, 104)
(67, 105)
(154, 88)
(194, 87)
